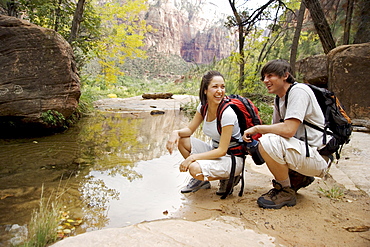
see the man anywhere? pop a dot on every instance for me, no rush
(283, 145)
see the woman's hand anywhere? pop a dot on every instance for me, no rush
(184, 166)
(174, 139)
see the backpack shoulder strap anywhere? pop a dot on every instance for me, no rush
(203, 110)
(282, 120)
(220, 110)
(286, 100)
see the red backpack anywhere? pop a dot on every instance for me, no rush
(248, 116)
(246, 112)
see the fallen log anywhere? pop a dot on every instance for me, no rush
(157, 95)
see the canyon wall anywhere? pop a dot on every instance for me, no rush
(192, 29)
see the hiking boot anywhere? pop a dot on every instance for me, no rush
(195, 185)
(298, 180)
(223, 185)
(277, 197)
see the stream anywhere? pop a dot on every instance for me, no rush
(110, 170)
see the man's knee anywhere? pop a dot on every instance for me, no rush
(273, 146)
(267, 157)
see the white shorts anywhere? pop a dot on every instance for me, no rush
(217, 168)
(292, 151)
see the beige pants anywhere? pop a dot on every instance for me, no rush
(292, 151)
(217, 168)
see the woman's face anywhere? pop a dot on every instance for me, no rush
(216, 90)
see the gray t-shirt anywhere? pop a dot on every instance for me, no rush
(302, 105)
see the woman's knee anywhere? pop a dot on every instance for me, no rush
(184, 142)
(195, 171)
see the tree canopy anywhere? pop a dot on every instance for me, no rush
(105, 34)
(292, 30)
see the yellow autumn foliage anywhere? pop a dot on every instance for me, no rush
(122, 37)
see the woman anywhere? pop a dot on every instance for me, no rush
(203, 161)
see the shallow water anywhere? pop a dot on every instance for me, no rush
(112, 170)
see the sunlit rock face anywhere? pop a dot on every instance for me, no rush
(192, 29)
(38, 72)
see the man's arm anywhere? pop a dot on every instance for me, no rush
(286, 129)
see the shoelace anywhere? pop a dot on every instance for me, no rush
(273, 192)
(192, 182)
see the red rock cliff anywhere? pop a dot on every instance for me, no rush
(191, 29)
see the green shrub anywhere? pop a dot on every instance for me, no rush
(53, 118)
(190, 108)
(334, 192)
(42, 229)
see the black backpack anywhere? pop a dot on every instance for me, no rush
(337, 122)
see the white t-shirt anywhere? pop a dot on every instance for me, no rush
(302, 105)
(228, 117)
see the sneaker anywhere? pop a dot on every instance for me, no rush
(195, 185)
(298, 180)
(223, 185)
(277, 197)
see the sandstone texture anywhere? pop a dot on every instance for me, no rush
(345, 71)
(348, 74)
(188, 29)
(38, 72)
(314, 70)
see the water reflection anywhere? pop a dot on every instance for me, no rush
(116, 169)
(117, 187)
(111, 139)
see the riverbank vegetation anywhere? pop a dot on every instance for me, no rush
(42, 228)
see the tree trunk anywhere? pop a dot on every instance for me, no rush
(77, 18)
(297, 32)
(57, 16)
(241, 61)
(12, 8)
(242, 58)
(363, 32)
(321, 25)
(348, 22)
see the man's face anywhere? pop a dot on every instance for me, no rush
(275, 84)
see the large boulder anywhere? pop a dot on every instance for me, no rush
(345, 71)
(39, 82)
(348, 74)
(314, 70)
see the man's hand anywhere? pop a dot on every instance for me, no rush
(248, 133)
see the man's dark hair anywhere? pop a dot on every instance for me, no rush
(278, 67)
(206, 79)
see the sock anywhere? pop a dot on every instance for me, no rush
(284, 183)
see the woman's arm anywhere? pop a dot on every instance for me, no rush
(185, 132)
